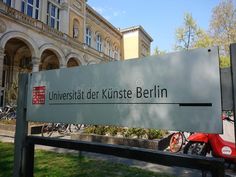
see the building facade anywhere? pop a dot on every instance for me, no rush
(136, 42)
(38, 35)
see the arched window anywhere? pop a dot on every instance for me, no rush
(99, 43)
(75, 28)
(88, 36)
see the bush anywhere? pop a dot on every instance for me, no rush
(138, 132)
(90, 129)
(112, 130)
(155, 134)
(95, 129)
(100, 130)
(125, 132)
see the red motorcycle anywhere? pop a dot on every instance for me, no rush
(201, 144)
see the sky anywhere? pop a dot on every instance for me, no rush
(160, 18)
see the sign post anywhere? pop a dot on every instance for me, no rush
(20, 154)
(233, 70)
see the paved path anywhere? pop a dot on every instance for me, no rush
(7, 136)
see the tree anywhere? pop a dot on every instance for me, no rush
(188, 34)
(157, 51)
(224, 61)
(204, 40)
(223, 29)
(223, 25)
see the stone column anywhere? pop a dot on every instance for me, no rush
(62, 66)
(43, 11)
(65, 18)
(17, 5)
(36, 63)
(85, 21)
(1, 64)
(1, 74)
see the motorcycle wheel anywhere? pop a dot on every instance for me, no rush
(195, 148)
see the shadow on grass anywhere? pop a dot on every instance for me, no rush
(51, 164)
(6, 159)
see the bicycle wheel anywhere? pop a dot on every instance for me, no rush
(176, 142)
(47, 129)
(75, 127)
(62, 128)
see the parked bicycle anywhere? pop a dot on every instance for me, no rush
(48, 128)
(8, 112)
(178, 140)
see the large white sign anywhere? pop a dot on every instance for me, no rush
(177, 91)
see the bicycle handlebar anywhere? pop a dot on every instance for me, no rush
(228, 119)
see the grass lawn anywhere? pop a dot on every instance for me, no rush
(51, 164)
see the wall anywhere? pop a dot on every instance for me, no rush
(131, 45)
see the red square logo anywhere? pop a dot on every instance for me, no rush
(38, 95)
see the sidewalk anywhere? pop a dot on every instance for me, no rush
(8, 136)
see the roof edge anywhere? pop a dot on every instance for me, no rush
(103, 19)
(134, 28)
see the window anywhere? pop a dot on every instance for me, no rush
(31, 8)
(7, 2)
(88, 36)
(99, 43)
(53, 15)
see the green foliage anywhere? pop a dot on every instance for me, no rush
(157, 51)
(125, 132)
(224, 61)
(223, 25)
(113, 130)
(6, 159)
(90, 129)
(95, 129)
(134, 132)
(51, 164)
(204, 40)
(222, 31)
(188, 34)
(155, 134)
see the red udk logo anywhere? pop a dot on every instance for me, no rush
(39, 95)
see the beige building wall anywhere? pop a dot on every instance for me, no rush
(136, 42)
(111, 37)
(131, 45)
(77, 19)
